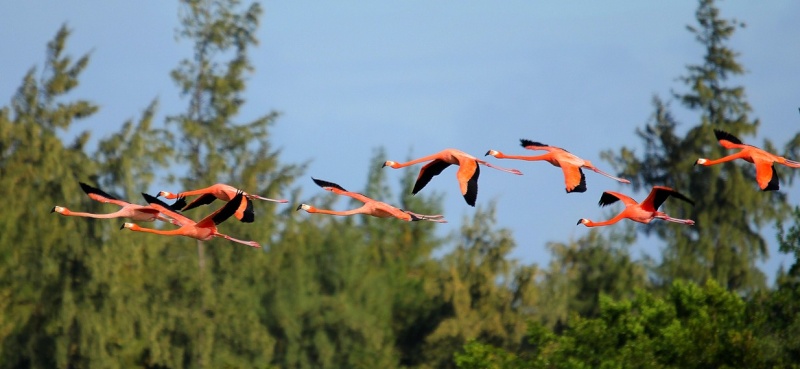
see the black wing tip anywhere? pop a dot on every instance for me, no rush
(153, 200)
(722, 135)
(178, 205)
(249, 213)
(607, 199)
(581, 187)
(94, 190)
(323, 183)
(525, 143)
(773, 184)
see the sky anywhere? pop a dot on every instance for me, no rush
(415, 77)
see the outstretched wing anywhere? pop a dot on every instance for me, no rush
(574, 179)
(204, 199)
(339, 190)
(728, 140)
(99, 195)
(224, 212)
(766, 176)
(167, 209)
(658, 195)
(610, 197)
(434, 168)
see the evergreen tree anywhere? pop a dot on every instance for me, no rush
(725, 244)
(216, 312)
(42, 272)
(583, 270)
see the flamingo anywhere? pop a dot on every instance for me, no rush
(642, 213)
(467, 174)
(203, 230)
(570, 164)
(765, 162)
(220, 191)
(371, 207)
(134, 212)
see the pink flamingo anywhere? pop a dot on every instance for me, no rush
(220, 191)
(569, 163)
(128, 210)
(642, 213)
(467, 174)
(765, 162)
(203, 230)
(371, 207)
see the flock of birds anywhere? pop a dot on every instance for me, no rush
(239, 203)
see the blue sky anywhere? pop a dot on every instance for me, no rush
(416, 77)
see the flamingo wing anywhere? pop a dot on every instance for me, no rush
(468, 173)
(610, 197)
(167, 210)
(658, 195)
(339, 190)
(224, 212)
(204, 199)
(534, 145)
(727, 140)
(245, 212)
(574, 178)
(99, 195)
(766, 176)
(434, 168)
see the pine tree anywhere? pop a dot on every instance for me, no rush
(729, 210)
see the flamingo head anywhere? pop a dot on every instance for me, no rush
(58, 209)
(305, 207)
(492, 153)
(390, 163)
(583, 221)
(701, 161)
(127, 225)
(167, 195)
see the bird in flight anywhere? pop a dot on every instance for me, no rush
(203, 230)
(643, 212)
(764, 161)
(371, 207)
(142, 213)
(220, 191)
(467, 174)
(570, 164)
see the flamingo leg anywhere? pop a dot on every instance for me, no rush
(267, 199)
(253, 244)
(623, 180)
(507, 170)
(675, 220)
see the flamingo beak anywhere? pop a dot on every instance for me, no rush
(299, 207)
(123, 226)
(487, 153)
(53, 210)
(579, 222)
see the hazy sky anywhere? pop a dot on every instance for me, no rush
(415, 77)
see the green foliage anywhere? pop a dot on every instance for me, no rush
(583, 270)
(691, 327)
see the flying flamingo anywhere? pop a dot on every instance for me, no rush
(203, 230)
(765, 162)
(570, 164)
(219, 191)
(371, 207)
(134, 212)
(642, 213)
(467, 174)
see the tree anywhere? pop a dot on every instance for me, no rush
(583, 270)
(691, 327)
(725, 243)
